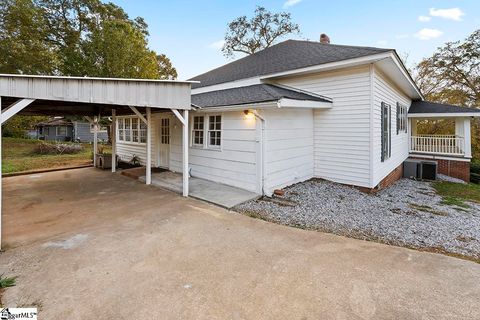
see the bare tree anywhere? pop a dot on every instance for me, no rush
(261, 31)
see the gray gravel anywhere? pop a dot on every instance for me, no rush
(409, 213)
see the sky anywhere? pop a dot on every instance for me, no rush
(190, 32)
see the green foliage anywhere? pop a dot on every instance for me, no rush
(77, 38)
(15, 127)
(6, 282)
(469, 192)
(259, 32)
(454, 201)
(452, 75)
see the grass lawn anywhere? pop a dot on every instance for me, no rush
(456, 193)
(17, 155)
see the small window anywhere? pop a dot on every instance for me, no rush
(121, 129)
(165, 131)
(143, 132)
(61, 131)
(198, 130)
(214, 131)
(135, 129)
(128, 127)
(401, 118)
(386, 127)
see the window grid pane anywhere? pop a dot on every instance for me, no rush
(214, 133)
(198, 130)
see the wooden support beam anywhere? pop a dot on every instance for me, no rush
(113, 139)
(179, 116)
(135, 110)
(148, 171)
(185, 153)
(15, 108)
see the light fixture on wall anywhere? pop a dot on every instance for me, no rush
(248, 114)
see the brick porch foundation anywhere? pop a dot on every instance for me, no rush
(452, 168)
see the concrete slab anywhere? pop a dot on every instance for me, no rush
(213, 192)
(88, 244)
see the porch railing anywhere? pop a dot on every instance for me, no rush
(438, 144)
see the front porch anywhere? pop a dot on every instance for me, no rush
(452, 140)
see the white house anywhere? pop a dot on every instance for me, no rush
(299, 110)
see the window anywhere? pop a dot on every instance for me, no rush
(135, 129)
(401, 118)
(132, 130)
(198, 130)
(386, 131)
(61, 131)
(165, 131)
(214, 131)
(121, 129)
(143, 132)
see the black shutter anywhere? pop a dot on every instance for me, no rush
(382, 128)
(389, 131)
(398, 117)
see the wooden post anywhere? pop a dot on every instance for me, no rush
(1, 120)
(467, 137)
(95, 142)
(185, 153)
(113, 139)
(148, 178)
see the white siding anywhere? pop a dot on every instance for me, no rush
(386, 91)
(288, 147)
(342, 133)
(126, 150)
(234, 164)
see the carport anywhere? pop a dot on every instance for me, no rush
(96, 97)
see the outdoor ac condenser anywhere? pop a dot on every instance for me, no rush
(429, 170)
(412, 169)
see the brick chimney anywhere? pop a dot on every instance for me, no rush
(324, 39)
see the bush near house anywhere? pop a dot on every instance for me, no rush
(475, 171)
(19, 155)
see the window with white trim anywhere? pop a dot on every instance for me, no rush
(402, 111)
(198, 129)
(131, 129)
(215, 131)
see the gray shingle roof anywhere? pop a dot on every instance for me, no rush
(250, 94)
(419, 107)
(287, 55)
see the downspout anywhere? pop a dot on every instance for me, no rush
(262, 149)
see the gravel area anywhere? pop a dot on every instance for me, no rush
(409, 213)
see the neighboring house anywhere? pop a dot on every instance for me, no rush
(303, 109)
(61, 129)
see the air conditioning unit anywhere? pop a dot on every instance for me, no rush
(429, 170)
(412, 169)
(420, 169)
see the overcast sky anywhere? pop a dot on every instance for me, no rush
(191, 32)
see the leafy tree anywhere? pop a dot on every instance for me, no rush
(23, 48)
(261, 31)
(166, 69)
(118, 49)
(15, 127)
(452, 75)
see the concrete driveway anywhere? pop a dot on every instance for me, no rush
(87, 244)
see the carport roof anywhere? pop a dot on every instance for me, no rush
(55, 95)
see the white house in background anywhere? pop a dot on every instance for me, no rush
(299, 110)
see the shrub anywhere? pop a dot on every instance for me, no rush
(57, 148)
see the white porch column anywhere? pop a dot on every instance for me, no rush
(148, 178)
(95, 142)
(185, 153)
(113, 138)
(1, 182)
(467, 136)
